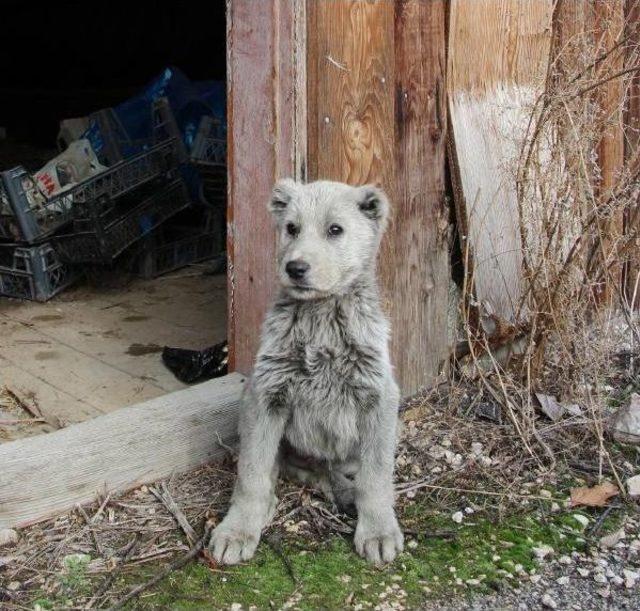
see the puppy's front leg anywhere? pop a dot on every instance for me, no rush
(253, 502)
(378, 537)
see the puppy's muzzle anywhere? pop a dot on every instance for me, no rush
(297, 269)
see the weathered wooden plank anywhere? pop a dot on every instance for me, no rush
(498, 55)
(375, 116)
(609, 29)
(264, 143)
(414, 262)
(350, 71)
(632, 150)
(44, 475)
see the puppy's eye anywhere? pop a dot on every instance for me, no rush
(335, 230)
(293, 229)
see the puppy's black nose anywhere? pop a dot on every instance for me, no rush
(297, 269)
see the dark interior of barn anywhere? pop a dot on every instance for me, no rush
(114, 261)
(68, 59)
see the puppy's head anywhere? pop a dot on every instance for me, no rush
(328, 235)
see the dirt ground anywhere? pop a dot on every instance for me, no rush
(478, 511)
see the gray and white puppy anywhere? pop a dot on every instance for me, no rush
(322, 390)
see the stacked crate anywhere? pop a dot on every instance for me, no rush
(44, 239)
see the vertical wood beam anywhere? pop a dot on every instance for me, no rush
(632, 151)
(415, 258)
(609, 29)
(265, 51)
(375, 115)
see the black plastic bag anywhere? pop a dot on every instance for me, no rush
(197, 365)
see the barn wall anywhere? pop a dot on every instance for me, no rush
(376, 114)
(374, 111)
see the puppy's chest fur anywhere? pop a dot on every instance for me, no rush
(322, 364)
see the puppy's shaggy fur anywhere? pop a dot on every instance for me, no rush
(322, 392)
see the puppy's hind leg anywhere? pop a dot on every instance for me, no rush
(253, 502)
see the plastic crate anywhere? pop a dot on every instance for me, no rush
(33, 216)
(210, 144)
(101, 235)
(178, 253)
(33, 272)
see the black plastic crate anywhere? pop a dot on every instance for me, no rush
(33, 272)
(32, 216)
(210, 144)
(100, 235)
(179, 252)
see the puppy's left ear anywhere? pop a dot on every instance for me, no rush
(374, 204)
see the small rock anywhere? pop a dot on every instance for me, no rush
(583, 572)
(412, 544)
(469, 510)
(555, 507)
(473, 582)
(616, 580)
(535, 578)
(548, 602)
(633, 486)
(455, 460)
(13, 586)
(236, 607)
(582, 520)
(611, 540)
(604, 592)
(543, 551)
(457, 517)
(563, 581)
(8, 537)
(565, 560)
(476, 448)
(630, 578)
(600, 578)
(626, 422)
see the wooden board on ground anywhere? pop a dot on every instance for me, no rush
(48, 474)
(376, 115)
(497, 63)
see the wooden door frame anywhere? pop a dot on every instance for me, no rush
(266, 116)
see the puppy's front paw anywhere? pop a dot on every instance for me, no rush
(379, 540)
(231, 545)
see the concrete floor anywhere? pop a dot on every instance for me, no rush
(90, 351)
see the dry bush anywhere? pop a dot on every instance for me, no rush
(578, 227)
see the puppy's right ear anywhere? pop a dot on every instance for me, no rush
(281, 196)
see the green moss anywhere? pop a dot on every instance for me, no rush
(331, 576)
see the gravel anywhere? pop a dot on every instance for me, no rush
(600, 579)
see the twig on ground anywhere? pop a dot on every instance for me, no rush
(174, 566)
(108, 582)
(418, 485)
(164, 496)
(273, 541)
(89, 523)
